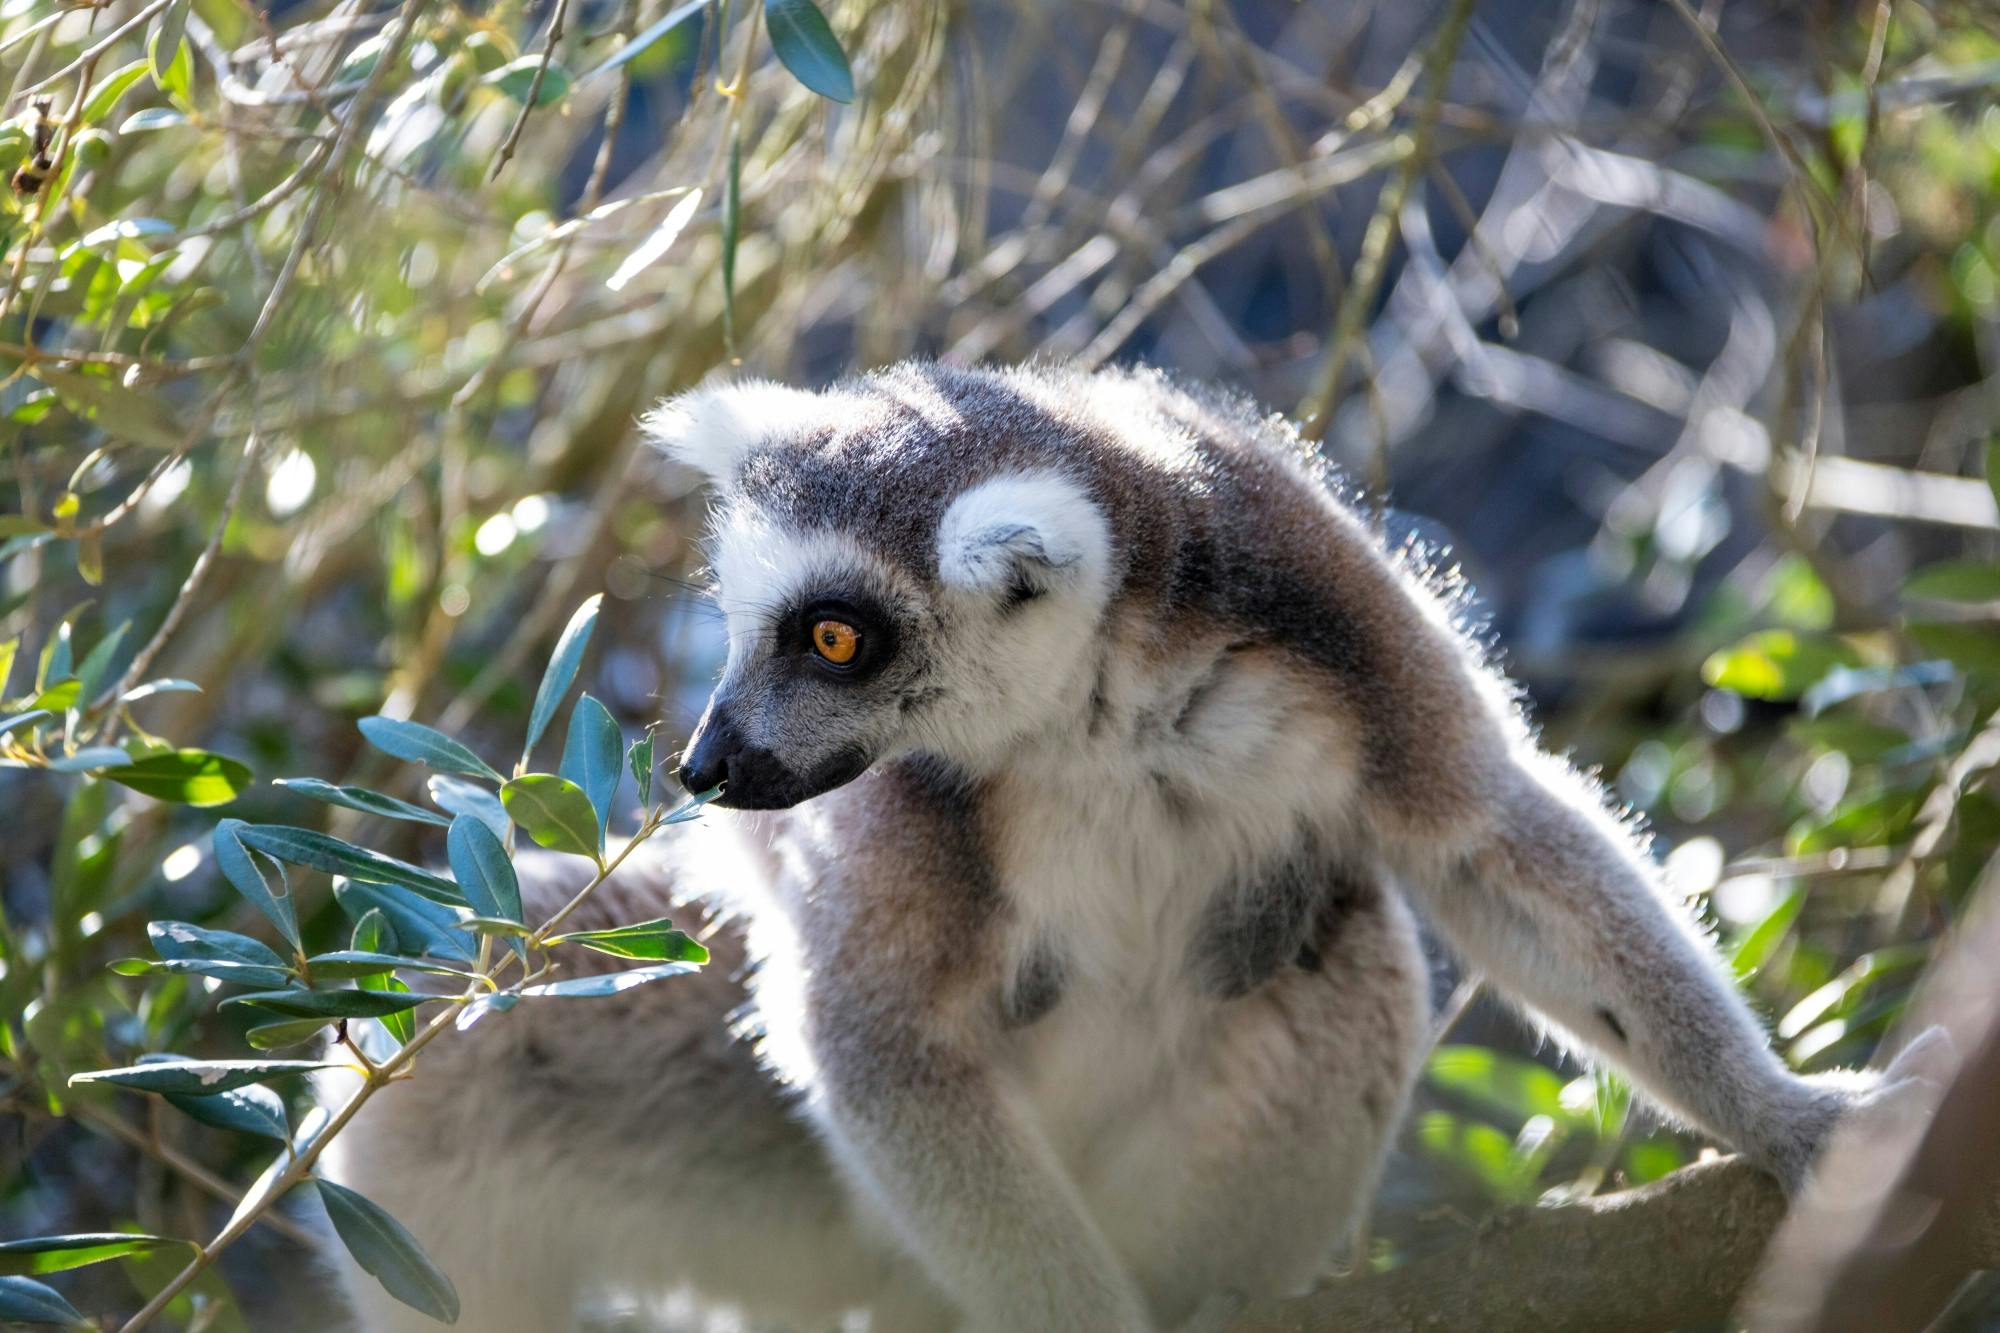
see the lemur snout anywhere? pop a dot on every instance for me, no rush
(707, 762)
(753, 777)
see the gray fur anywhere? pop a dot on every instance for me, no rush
(1095, 996)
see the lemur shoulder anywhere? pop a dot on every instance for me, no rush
(1081, 751)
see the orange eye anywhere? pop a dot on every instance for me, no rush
(836, 641)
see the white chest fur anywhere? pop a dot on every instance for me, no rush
(1191, 778)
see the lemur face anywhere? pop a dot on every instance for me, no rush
(882, 598)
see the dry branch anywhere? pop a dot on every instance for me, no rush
(1677, 1252)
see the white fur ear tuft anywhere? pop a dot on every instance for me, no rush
(1024, 535)
(711, 429)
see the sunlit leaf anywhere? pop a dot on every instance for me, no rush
(653, 33)
(563, 664)
(56, 1254)
(321, 851)
(646, 939)
(640, 760)
(199, 1078)
(188, 777)
(554, 812)
(484, 871)
(240, 867)
(517, 77)
(1956, 581)
(608, 983)
(420, 925)
(1777, 664)
(300, 1003)
(420, 744)
(456, 796)
(360, 798)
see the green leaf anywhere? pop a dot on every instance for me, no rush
(163, 42)
(56, 1254)
(27, 719)
(320, 851)
(640, 759)
(199, 1078)
(125, 413)
(1756, 947)
(165, 685)
(421, 745)
(1778, 664)
(1993, 467)
(516, 77)
(251, 1109)
(240, 867)
(178, 939)
(1974, 649)
(290, 1032)
(1514, 1087)
(105, 98)
(55, 662)
(646, 939)
(561, 670)
(186, 777)
(660, 28)
(383, 1248)
(732, 229)
(372, 934)
(152, 118)
(88, 758)
(802, 39)
(360, 798)
(352, 964)
(236, 974)
(326, 1004)
(59, 697)
(554, 812)
(420, 926)
(608, 983)
(458, 797)
(97, 662)
(27, 1301)
(590, 758)
(484, 871)
(1956, 581)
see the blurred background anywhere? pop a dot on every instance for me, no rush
(324, 328)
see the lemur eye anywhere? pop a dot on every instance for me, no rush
(836, 641)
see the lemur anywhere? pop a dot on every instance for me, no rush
(1082, 754)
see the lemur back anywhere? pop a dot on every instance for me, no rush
(1077, 749)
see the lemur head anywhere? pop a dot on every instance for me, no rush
(902, 569)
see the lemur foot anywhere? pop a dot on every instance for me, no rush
(1885, 1097)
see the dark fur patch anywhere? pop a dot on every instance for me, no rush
(1610, 1020)
(1037, 986)
(1291, 912)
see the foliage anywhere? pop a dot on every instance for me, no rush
(321, 335)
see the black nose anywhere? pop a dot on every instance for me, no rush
(706, 764)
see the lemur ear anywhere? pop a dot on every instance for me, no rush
(1020, 536)
(712, 428)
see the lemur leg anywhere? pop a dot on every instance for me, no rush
(1560, 906)
(1255, 1175)
(976, 1194)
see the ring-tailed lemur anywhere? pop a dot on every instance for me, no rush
(1062, 977)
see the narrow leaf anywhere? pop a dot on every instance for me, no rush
(485, 873)
(456, 796)
(56, 1254)
(350, 964)
(385, 1248)
(640, 759)
(561, 670)
(105, 98)
(360, 798)
(323, 1004)
(239, 865)
(320, 851)
(591, 758)
(420, 744)
(807, 46)
(646, 939)
(178, 939)
(674, 18)
(290, 1032)
(199, 1078)
(609, 983)
(420, 926)
(251, 1109)
(26, 1301)
(186, 777)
